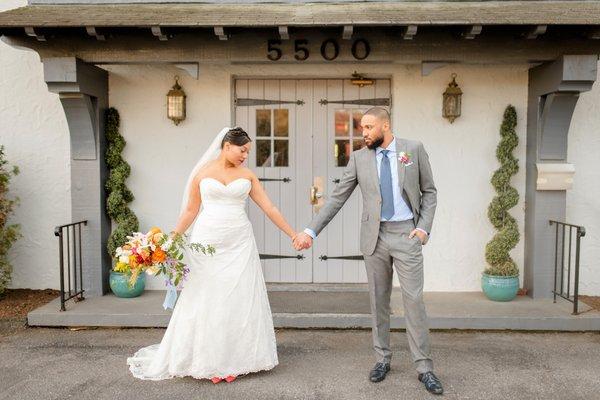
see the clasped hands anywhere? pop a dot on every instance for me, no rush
(303, 241)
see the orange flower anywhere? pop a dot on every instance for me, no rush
(159, 255)
(153, 230)
(157, 237)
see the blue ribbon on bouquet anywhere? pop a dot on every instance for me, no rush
(170, 297)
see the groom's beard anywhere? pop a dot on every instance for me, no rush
(375, 144)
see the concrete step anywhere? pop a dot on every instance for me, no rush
(338, 308)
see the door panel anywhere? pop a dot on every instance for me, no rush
(305, 130)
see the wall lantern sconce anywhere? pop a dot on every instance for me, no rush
(360, 80)
(452, 100)
(176, 103)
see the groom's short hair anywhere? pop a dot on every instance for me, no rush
(378, 112)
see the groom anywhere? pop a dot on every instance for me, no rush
(399, 200)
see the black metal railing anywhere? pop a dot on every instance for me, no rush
(563, 286)
(73, 260)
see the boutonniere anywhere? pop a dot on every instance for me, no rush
(404, 159)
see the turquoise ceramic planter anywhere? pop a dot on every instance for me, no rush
(120, 287)
(500, 288)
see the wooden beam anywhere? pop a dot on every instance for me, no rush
(348, 31)
(536, 31)
(283, 33)
(594, 34)
(30, 31)
(158, 32)
(472, 32)
(91, 30)
(409, 32)
(220, 32)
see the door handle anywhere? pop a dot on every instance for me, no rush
(317, 193)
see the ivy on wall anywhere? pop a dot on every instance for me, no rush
(8, 233)
(118, 193)
(497, 250)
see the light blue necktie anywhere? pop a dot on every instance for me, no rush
(385, 184)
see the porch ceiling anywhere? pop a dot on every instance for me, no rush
(316, 14)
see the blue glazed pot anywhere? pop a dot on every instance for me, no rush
(500, 288)
(120, 287)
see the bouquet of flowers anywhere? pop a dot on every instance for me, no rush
(157, 253)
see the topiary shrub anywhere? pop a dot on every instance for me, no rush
(118, 193)
(8, 233)
(497, 250)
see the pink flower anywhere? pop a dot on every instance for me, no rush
(404, 158)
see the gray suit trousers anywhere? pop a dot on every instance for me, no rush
(395, 247)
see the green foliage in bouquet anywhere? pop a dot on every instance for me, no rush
(507, 237)
(118, 193)
(8, 233)
(178, 271)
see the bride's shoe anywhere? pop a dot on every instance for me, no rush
(215, 380)
(230, 378)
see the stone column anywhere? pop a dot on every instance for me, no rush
(83, 92)
(554, 88)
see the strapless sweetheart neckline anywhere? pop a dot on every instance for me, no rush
(223, 184)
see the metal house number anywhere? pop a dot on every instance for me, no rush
(330, 49)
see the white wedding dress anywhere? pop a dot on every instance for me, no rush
(222, 323)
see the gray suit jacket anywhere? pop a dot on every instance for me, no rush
(416, 185)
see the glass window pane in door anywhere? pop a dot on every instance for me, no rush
(281, 122)
(281, 153)
(341, 152)
(358, 144)
(263, 123)
(342, 123)
(356, 127)
(263, 153)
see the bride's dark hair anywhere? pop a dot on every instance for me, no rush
(236, 136)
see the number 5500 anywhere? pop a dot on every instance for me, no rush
(330, 49)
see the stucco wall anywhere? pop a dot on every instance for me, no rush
(462, 154)
(583, 201)
(34, 131)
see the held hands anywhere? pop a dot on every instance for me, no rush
(301, 241)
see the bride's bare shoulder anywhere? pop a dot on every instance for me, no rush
(248, 173)
(204, 172)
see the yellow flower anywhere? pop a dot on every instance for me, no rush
(121, 267)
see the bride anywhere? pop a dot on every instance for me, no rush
(221, 326)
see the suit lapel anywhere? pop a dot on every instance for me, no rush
(372, 160)
(400, 147)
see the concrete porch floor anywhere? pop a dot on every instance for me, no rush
(336, 306)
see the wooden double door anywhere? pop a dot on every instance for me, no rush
(303, 132)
